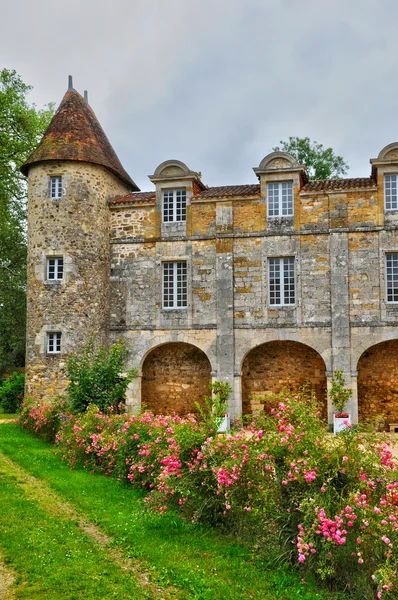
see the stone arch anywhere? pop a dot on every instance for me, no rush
(281, 365)
(378, 382)
(278, 160)
(175, 375)
(389, 152)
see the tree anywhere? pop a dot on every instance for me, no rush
(321, 163)
(21, 127)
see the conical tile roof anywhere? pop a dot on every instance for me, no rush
(75, 134)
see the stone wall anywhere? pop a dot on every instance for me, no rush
(76, 227)
(277, 366)
(378, 383)
(174, 377)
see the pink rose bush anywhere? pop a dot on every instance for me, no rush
(329, 503)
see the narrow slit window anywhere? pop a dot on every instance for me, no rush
(54, 342)
(174, 287)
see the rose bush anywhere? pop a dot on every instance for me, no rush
(331, 503)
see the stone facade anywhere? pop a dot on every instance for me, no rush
(115, 242)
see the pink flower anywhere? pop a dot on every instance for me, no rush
(386, 540)
(301, 558)
(345, 458)
(260, 434)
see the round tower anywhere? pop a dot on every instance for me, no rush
(72, 175)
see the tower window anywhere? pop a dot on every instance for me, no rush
(55, 269)
(174, 284)
(54, 342)
(56, 187)
(281, 280)
(280, 199)
(174, 205)
(390, 192)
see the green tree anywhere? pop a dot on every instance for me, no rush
(321, 163)
(21, 127)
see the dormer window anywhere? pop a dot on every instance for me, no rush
(280, 199)
(174, 205)
(56, 187)
(390, 192)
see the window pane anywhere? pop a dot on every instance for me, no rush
(181, 202)
(392, 276)
(175, 284)
(56, 187)
(168, 206)
(390, 192)
(274, 281)
(281, 278)
(273, 199)
(280, 199)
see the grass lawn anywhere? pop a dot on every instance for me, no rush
(70, 535)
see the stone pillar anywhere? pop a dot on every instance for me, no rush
(341, 335)
(225, 301)
(133, 395)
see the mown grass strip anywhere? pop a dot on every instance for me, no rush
(52, 558)
(38, 491)
(200, 563)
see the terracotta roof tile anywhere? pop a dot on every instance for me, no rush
(225, 191)
(136, 198)
(339, 184)
(75, 134)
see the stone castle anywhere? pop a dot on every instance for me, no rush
(267, 285)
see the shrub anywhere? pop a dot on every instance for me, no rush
(95, 376)
(44, 419)
(330, 503)
(11, 392)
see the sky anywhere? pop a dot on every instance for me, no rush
(215, 83)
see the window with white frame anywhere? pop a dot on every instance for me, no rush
(56, 187)
(280, 199)
(54, 342)
(174, 288)
(392, 276)
(390, 192)
(281, 281)
(55, 269)
(174, 205)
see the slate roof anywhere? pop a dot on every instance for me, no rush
(339, 184)
(76, 134)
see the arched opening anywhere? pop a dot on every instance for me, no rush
(378, 383)
(276, 366)
(174, 377)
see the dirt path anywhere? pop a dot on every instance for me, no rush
(38, 491)
(6, 582)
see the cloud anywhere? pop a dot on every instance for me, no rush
(216, 84)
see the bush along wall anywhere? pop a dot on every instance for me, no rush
(331, 503)
(12, 392)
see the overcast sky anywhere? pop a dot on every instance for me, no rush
(215, 83)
